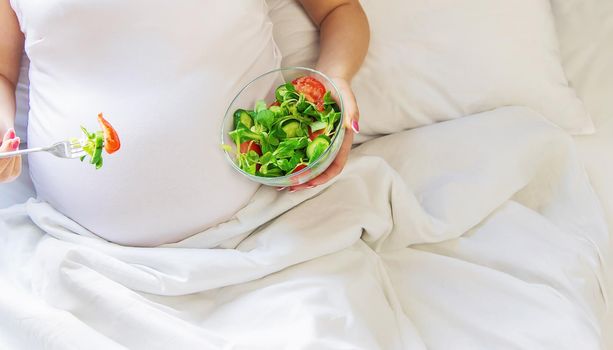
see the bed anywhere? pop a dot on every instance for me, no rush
(434, 245)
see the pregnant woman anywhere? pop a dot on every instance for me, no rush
(163, 73)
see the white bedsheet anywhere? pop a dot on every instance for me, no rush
(345, 266)
(595, 153)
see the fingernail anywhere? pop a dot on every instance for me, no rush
(281, 188)
(355, 126)
(11, 133)
(15, 143)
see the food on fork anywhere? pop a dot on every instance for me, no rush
(290, 133)
(94, 143)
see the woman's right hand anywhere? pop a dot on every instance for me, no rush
(10, 168)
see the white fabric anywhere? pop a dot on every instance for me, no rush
(163, 74)
(431, 61)
(18, 191)
(585, 29)
(520, 266)
(595, 153)
(295, 33)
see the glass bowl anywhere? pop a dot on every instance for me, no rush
(263, 88)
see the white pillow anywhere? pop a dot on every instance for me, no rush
(585, 29)
(438, 60)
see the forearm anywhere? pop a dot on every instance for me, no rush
(7, 105)
(344, 39)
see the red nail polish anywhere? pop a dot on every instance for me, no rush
(16, 143)
(11, 133)
(355, 126)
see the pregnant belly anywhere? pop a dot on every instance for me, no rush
(157, 189)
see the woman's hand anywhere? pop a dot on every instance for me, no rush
(10, 168)
(351, 124)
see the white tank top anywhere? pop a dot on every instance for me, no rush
(163, 73)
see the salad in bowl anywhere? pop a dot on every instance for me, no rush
(284, 128)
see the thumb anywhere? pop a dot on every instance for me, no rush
(352, 113)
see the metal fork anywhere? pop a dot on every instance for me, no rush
(63, 149)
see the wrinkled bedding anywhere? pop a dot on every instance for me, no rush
(479, 233)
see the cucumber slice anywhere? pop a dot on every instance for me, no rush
(291, 129)
(277, 110)
(241, 116)
(246, 119)
(317, 147)
(281, 92)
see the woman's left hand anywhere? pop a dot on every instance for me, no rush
(351, 124)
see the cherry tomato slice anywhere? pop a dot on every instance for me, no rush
(312, 89)
(298, 168)
(111, 139)
(250, 146)
(313, 135)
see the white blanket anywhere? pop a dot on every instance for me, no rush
(349, 265)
